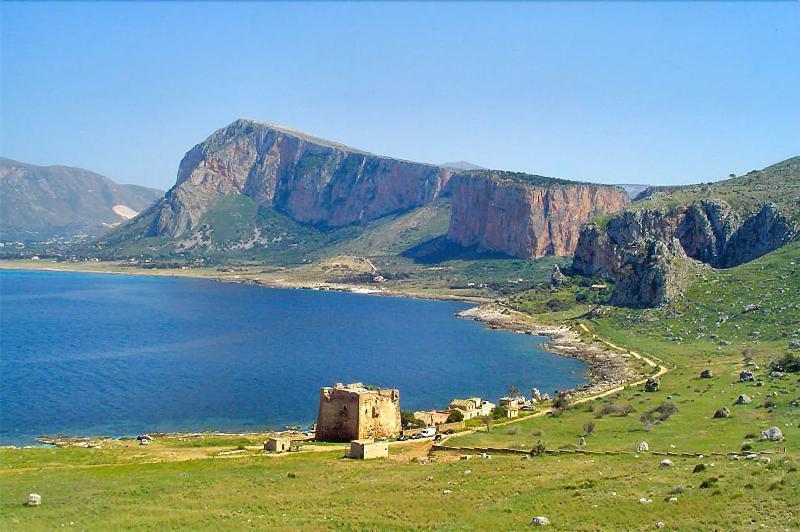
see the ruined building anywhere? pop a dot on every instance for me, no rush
(354, 412)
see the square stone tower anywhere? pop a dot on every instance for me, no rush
(355, 412)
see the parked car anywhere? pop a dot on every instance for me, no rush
(402, 438)
(428, 432)
(438, 437)
(449, 432)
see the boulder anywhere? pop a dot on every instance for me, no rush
(743, 399)
(750, 308)
(540, 520)
(722, 413)
(772, 434)
(643, 447)
(556, 278)
(34, 499)
(672, 499)
(746, 376)
(794, 344)
(645, 500)
(706, 374)
(652, 385)
(581, 441)
(666, 462)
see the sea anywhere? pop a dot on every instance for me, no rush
(119, 355)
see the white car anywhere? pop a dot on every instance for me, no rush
(428, 432)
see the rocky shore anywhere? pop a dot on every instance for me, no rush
(607, 368)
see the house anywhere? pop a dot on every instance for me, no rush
(367, 449)
(278, 444)
(512, 410)
(433, 417)
(517, 401)
(356, 412)
(472, 407)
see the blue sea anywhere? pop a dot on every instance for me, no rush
(88, 354)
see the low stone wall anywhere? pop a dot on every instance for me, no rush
(456, 425)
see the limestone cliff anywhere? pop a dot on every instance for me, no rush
(311, 180)
(648, 249)
(525, 216)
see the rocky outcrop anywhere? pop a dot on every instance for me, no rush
(648, 252)
(525, 216)
(311, 180)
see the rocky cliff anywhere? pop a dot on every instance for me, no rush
(525, 216)
(648, 248)
(309, 179)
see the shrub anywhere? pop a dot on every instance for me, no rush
(659, 414)
(499, 412)
(588, 427)
(699, 468)
(538, 449)
(562, 401)
(709, 483)
(747, 447)
(788, 363)
(455, 416)
(618, 410)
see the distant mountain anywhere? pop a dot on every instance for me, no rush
(462, 165)
(42, 202)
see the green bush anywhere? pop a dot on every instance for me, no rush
(499, 412)
(455, 416)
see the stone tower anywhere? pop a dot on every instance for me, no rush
(354, 412)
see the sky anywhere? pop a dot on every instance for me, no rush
(659, 93)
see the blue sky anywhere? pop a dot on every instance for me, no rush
(617, 92)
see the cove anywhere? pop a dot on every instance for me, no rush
(94, 354)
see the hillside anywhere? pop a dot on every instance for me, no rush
(719, 474)
(652, 246)
(42, 202)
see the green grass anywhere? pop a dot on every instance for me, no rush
(126, 487)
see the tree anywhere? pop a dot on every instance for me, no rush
(455, 416)
(407, 419)
(499, 412)
(487, 420)
(588, 427)
(513, 391)
(538, 449)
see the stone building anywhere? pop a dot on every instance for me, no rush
(472, 407)
(368, 449)
(431, 418)
(355, 412)
(278, 444)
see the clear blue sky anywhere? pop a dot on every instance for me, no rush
(619, 92)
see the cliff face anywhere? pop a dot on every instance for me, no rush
(311, 180)
(646, 251)
(525, 219)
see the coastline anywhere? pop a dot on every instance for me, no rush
(606, 369)
(320, 286)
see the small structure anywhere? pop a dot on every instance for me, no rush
(144, 439)
(432, 418)
(278, 444)
(368, 449)
(472, 407)
(598, 287)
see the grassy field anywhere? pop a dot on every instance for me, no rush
(189, 484)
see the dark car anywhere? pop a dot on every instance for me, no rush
(449, 432)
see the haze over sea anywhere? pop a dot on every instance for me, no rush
(90, 354)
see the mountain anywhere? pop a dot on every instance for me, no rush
(42, 202)
(258, 189)
(462, 165)
(653, 247)
(523, 215)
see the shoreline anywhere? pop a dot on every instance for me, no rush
(605, 369)
(317, 286)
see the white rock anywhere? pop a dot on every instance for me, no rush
(468, 472)
(666, 463)
(660, 524)
(645, 500)
(751, 456)
(643, 447)
(447, 492)
(34, 499)
(540, 520)
(772, 434)
(766, 459)
(672, 499)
